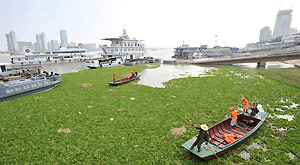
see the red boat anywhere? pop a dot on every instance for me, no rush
(121, 82)
(217, 144)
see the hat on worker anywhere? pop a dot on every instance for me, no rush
(204, 127)
(232, 108)
(243, 98)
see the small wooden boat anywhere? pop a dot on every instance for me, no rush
(217, 142)
(121, 82)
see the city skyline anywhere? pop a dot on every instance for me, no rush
(159, 23)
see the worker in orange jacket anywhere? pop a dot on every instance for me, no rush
(234, 117)
(245, 104)
(114, 78)
(128, 75)
(123, 77)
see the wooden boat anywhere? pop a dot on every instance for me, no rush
(19, 88)
(217, 142)
(121, 82)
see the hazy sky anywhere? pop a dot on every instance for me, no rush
(163, 23)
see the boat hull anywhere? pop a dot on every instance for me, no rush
(18, 89)
(29, 92)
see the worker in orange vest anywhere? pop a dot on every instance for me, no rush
(128, 75)
(245, 104)
(234, 117)
(123, 77)
(114, 78)
(229, 138)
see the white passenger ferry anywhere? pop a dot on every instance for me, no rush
(125, 47)
(64, 54)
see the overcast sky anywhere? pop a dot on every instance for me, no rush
(162, 23)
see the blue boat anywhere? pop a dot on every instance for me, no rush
(15, 89)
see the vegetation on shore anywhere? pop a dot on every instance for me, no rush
(99, 124)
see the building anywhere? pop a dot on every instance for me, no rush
(24, 45)
(12, 42)
(265, 34)
(54, 45)
(63, 37)
(124, 47)
(41, 42)
(293, 31)
(89, 47)
(49, 46)
(282, 23)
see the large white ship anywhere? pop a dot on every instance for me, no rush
(125, 47)
(64, 54)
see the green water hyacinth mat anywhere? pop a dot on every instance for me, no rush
(98, 124)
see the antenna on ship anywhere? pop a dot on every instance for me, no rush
(216, 40)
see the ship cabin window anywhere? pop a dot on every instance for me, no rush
(116, 50)
(19, 59)
(87, 62)
(26, 59)
(116, 42)
(125, 50)
(92, 61)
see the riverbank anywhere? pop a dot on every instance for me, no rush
(95, 123)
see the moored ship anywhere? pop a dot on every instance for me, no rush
(19, 88)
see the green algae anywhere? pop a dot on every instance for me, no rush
(141, 134)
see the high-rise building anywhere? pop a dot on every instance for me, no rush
(54, 45)
(49, 46)
(63, 37)
(265, 34)
(282, 23)
(12, 42)
(41, 42)
(24, 45)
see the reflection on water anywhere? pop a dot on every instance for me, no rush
(67, 67)
(156, 77)
(269, 65)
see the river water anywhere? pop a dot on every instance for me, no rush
(163, 54)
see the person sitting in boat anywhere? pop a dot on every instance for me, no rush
(201, 137)
(114, 77)
(132, 74)
(254, 109)
(245, 104)
(123, 77)
(136, 73)
(234, 117)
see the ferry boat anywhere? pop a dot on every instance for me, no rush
(19, 88)
(64, 54)
(124, 47)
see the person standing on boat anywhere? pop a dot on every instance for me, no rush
(233, 117)
(114, 77)
(245, 104)
(201, 137)
(128, 75)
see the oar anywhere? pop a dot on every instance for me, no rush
(209, 147)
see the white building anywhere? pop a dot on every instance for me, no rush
(12, 42)
(54, 45)
(293, 31)
(24, 45)
(282, 23)
(63, 37)
(265, 34)
(124, 46)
